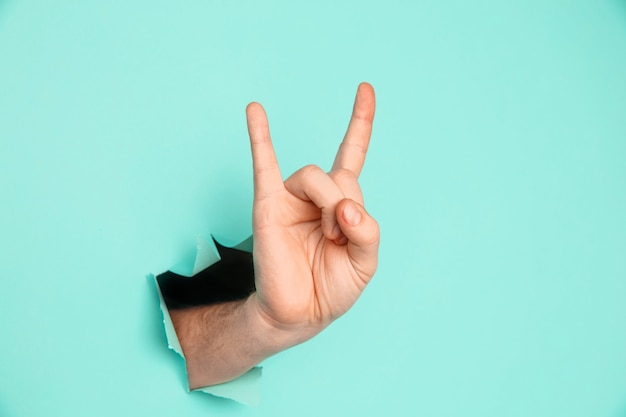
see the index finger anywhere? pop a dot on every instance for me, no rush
(267, 178)
(352, 151)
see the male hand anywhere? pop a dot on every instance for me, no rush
(315, 246)
(315, 250)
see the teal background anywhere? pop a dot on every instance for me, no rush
(496, 170)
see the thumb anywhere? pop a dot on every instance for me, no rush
(363, 236)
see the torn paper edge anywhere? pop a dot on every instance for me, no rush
(244, 389)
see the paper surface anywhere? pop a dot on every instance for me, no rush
(244, 389)
(206, 255)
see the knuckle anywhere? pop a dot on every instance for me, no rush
(343, 175)
(373, 235)
(310, 170)
(260, 139)
(261, 170)
(357, 147)
(372, 240)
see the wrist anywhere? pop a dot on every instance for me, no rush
(271, 335)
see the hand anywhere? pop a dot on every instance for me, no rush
(315, 246)
(315, 250)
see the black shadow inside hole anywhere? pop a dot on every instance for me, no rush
(230, 279)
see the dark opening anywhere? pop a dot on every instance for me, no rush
(230, 279)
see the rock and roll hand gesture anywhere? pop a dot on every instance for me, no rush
(315, 250)
(315, 246)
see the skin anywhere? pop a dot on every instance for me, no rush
(315, 250)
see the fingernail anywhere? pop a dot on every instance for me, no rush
(342, 240)
(352, 214)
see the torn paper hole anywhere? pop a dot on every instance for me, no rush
(217, 274)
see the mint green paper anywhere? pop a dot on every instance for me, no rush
(496, 171)
(206, 255)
